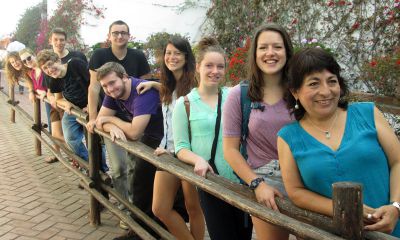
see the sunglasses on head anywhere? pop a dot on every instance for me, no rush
(28, 59)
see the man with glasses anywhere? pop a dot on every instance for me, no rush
(135, 64)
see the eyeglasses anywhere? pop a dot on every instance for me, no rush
(28, 59)
(123, 34)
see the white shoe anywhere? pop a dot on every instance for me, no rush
(123, 225)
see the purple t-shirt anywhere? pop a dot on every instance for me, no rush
(136, 105)
(263, 127)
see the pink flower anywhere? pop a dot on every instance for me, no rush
(355, 26)
(330, 4)
(373, 63)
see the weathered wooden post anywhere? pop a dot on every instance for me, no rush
(12, 101)
(348, 210)
(37, 126)
(94, 150)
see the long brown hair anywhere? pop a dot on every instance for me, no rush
(14, 75)
(255, 75)
(168, 82)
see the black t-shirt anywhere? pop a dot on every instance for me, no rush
(74, 54)
(74, 85)
(71, 54)
(135, 63)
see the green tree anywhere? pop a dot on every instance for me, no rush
(28, 26)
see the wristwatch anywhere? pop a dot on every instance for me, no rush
(396, 205)
(255, 182)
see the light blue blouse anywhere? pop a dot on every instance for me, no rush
(202, 123)
(359, 158)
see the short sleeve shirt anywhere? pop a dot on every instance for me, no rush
(263, 127)
(74, 84)
(143, 104)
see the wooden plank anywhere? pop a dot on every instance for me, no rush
(348, 210)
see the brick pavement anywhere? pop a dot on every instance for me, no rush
(40, 200)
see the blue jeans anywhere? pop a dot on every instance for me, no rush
(73, 135)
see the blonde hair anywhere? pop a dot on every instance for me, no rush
(13, 75)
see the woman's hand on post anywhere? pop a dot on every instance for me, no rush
(386, 218)
(160, 151)
(265, 195)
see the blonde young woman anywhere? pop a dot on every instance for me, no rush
(197, 144)
(16, 72)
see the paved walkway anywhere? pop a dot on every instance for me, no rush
(40, 200)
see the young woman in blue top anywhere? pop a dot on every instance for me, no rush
(223, 220)
(177, 79)
(333, 141)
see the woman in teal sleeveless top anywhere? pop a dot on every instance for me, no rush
(333, 142)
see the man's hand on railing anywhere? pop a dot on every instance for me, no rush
(116, 133)
(201, 167)
(265, 195)
(90, 125)
(386, 218)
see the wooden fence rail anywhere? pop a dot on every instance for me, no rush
(345, 224)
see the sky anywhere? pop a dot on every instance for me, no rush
(144, 17)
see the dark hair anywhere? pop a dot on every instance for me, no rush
(60, 31)
(110, 67)
(118, 22)
(168, 81)
(255, 75)
(308, 61)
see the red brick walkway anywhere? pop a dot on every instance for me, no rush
(40, 200)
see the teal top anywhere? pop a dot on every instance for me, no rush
(359, 158)
(202, 123)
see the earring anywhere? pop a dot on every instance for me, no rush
(297, 105)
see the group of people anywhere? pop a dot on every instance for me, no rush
(286, 130)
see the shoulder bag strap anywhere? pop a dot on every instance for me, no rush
(187, 108)
(216, 134)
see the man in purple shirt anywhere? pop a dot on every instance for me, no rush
(146, 125)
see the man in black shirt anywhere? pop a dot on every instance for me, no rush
(69, 84)
(135, 64)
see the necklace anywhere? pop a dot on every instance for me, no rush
(328, 131)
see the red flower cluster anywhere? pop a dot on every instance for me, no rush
(237, 62)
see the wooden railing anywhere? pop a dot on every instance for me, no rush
(346, 223)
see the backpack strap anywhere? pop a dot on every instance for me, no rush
(245, 106)
(187, 108)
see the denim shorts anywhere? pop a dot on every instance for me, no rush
(271, 172)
